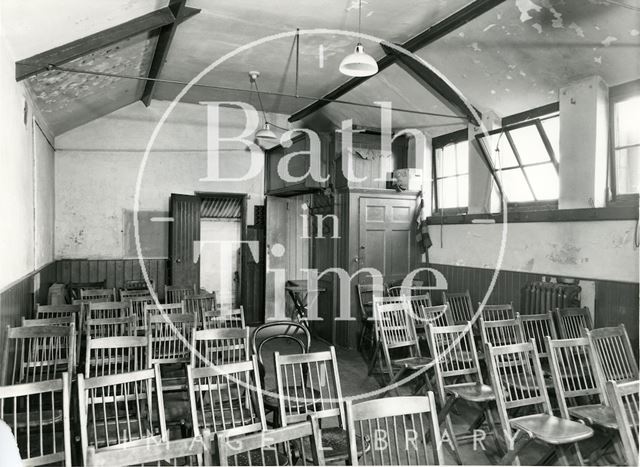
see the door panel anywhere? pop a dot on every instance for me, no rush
(276, 235)
(183, 233)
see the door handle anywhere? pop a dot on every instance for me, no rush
(178, 260)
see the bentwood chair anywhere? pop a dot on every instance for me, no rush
(115, 355)
(398, 334)
(121, 410)
(458, 376)
(38, 415)
(38, 353)
(626, 406)
(223, 398)
(572, 321)
(219, 346)
(411, 435)
(188, 451)
(498, 312)
(297, 444)
(509, 367)
(578, 386)
(614, 353)
(460, 306)
(176, 293)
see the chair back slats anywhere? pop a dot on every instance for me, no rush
(460, 306)
(102, 310)
(170, 337)
(199, 303)
(226, 398)
(432, 315)
(626, 406)
(538, 327)
(74, 288)
(56, 311)
(454, 352)
(60, 321)
(175, 294)
(219, 346)
(517, 378)
(111, 327)
(501, 332)
(137, 284)
(168, 308)
(114, 355)
(38, 415)
(188, 451)
(125, 295)
(137, 305)
(121, 410)
(309, 383)
(614, 353)
(498, 312)
(98, 295)
(366, 294)
(298, 444)
(401, 431)
(223, 318)
(38, 353)
(574, 372)
(395, 325)
(572, 321)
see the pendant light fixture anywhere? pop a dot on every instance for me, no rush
(265, 132)
(358, 63)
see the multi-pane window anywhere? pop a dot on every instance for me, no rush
(526, 157)
(451, 176)
(626, 146)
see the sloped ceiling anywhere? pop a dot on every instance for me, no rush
(513, 58)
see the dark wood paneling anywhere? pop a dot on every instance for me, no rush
(617, 303)
(253, 278)
(114, 271)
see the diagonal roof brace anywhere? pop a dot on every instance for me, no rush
(65, 53)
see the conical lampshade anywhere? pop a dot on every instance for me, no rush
(266, 133)
(358, 63)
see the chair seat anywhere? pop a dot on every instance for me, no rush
(472, 392)
(596, 414)
(552, 430)
(412, 363)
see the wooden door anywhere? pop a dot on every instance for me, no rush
(183, 235)
(387, 237)
(276, 255)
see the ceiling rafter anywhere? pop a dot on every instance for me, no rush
(452, 22)
(65, 53)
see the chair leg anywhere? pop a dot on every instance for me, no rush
(520, 440)
(374, 358)
(454, 446)
(444, 411)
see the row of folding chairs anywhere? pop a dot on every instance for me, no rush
(98, 292)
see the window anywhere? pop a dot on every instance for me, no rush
(451, 176)
(625, 167)
(526, 158)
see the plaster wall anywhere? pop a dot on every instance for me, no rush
(97, 166)
(588, 250)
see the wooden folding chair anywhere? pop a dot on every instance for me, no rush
(501, 332)
(310, 384)
(401, 430)
(38, 415)
(223, 318)
(125, 294)
(460, 306)
(626, 406)
(538, 327)
(111, 327)
(458, 377)
(297, 444)
(102, 310)
(614, 353)
(578, 386)
(188, 451)
(198, 304)
(176, 293)
(572, 321)
(226, 398)
(518, 382)
(497, 312)
(219, 346)
(151, 309)
(38, 353)
(74, 288)
(366, 294)
(398, 334)
(98, 295)
(56, 311)
(122, 410)
(138, 284)
(136, 305)
(115, 355)
(60, 321)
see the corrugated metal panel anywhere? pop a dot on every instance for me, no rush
(221, 208)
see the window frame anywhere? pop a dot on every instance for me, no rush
(618, 94)
(440, 142)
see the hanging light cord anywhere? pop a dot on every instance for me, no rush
(255, 83)
(359, 18)
(297, 57)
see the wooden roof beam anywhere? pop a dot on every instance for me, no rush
(467, 13)
(65, 53)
